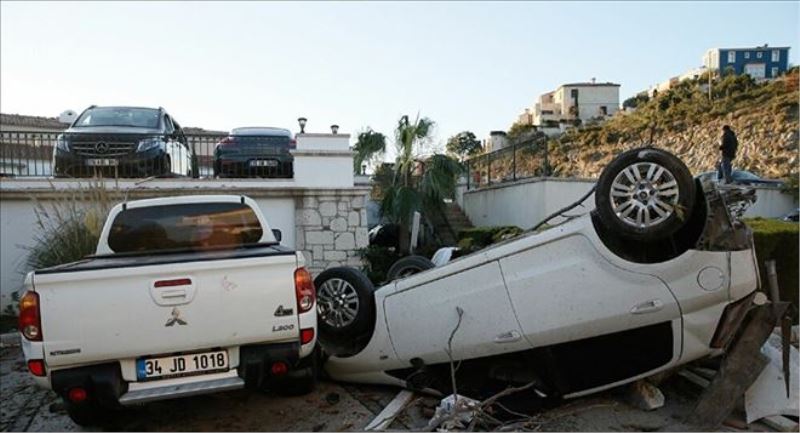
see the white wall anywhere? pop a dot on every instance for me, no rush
(527, 202)
(523, 203)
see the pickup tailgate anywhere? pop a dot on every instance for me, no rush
(118, 308)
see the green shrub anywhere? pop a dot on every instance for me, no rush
(68, 228)
(378, 260)
(778, 240)
(480, 237)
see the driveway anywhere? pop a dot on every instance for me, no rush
(333, 407)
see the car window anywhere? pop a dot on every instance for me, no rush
(168, 127)
(119, 116)
(197, 226)
(745, 175)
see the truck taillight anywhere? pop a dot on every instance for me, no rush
(293, 144)
(36, 367)
(304, 288)
(30, 323)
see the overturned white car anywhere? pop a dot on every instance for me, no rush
(657, 275)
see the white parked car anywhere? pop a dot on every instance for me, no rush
(657, 275)
(186, 295)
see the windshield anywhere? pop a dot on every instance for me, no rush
(180, 226)
(120, 116)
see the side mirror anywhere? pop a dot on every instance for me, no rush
(278, 235)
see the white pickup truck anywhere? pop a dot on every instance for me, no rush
(185, 295)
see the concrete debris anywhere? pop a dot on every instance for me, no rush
(780, 423)
(384, 419)
(644, 395)
(455, 412)
(767, 395)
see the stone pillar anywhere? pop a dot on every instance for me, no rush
(331, 227)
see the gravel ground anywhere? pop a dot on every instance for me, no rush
(333, 407)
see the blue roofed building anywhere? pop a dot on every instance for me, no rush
(759, 62)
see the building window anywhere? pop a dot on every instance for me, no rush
(731, 56)
(603, 110)
(758, 54)
(573, 93)
(747, 54)
(776, 55)
(774, 73)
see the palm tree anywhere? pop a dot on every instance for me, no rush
(416, 185)
(369, 145)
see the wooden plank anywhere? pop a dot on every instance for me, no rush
(694, 378)
(384, 419)
(740, 368)
(780, 423)
(706, 373)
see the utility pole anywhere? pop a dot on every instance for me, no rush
(709, 82)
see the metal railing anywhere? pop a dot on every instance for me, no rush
(65, 155)
(517, 161)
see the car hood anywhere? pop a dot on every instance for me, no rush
(112, 130)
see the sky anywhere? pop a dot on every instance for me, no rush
(466, 65)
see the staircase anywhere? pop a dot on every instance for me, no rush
(450, 223)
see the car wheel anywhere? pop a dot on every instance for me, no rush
(345, 304)
(195, 172)
(408, 266)
(166, 166)
(645, 194)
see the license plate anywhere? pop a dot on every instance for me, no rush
(264, 163)
(181, 365)
(102, 162)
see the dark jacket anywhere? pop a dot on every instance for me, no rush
(729, 144)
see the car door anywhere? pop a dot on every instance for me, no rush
(175, 148)
(422, 313)
(186, 150)
(567, 295)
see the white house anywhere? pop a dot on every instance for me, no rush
(496, 141)
(584, 101)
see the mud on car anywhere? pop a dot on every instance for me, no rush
(658, 274)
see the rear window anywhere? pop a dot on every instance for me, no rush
(196, 226)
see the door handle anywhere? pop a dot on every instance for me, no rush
(650, 306)
(173, 293)
(507, 337)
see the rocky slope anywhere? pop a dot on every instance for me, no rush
(685, 122)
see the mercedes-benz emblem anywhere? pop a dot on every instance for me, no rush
(101, 147)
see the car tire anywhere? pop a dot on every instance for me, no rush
(87, 414)
(645, 194)
(345, 305)
(408, 266)
(166, 166)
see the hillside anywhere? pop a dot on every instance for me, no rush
(684, 121)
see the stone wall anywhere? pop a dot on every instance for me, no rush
(330, 229)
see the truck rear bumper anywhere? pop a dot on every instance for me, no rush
(220, 382)
(104, 383)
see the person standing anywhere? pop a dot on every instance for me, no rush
(728, 147)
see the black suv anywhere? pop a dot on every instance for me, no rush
(123, 142)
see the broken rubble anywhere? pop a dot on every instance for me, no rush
(767, 395)
(644, 395)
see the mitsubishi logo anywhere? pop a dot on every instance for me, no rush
(176, 318)
(101, 147)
